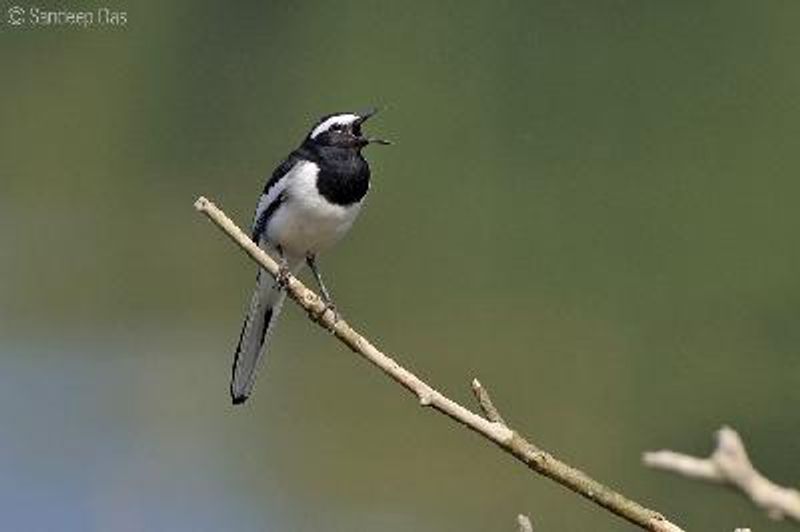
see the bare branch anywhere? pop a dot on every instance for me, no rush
(524, 523)
(498, 433)
(730, 465)
(485, 402)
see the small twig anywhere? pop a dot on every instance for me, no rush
(730, 465)
(524, 523)
(498, 433)
(485, 402)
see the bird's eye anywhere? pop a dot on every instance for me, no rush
(337, 127)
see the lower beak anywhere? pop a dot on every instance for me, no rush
(364, 141)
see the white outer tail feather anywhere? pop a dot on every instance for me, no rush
(265, 307)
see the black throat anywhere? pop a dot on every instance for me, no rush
(343, 173)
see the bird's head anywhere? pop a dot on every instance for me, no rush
(342, 130)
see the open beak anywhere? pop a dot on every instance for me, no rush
(363, 117)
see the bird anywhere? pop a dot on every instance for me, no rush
(308, 204)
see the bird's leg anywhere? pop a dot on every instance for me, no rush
(311, 260)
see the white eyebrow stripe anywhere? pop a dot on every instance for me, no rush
(336, 119)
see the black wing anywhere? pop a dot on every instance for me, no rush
(273, 196)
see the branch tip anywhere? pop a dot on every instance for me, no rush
(729, 464)
(524, 523)
(485, 402)
(425, 398)
(201, 204)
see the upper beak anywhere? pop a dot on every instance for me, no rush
(366, 114)
(363, 117)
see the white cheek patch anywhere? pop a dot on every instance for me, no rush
(336, 119)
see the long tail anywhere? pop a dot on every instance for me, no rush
(258, 325)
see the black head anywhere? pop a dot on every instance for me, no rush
(342, 130)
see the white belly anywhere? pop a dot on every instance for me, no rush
(306, 222)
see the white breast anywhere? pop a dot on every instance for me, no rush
(306, 222)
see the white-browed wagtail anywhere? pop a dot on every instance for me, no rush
(309, 203)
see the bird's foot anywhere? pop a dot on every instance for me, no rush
(328, 306)
(282, 279)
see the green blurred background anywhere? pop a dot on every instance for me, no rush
(591, 206)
